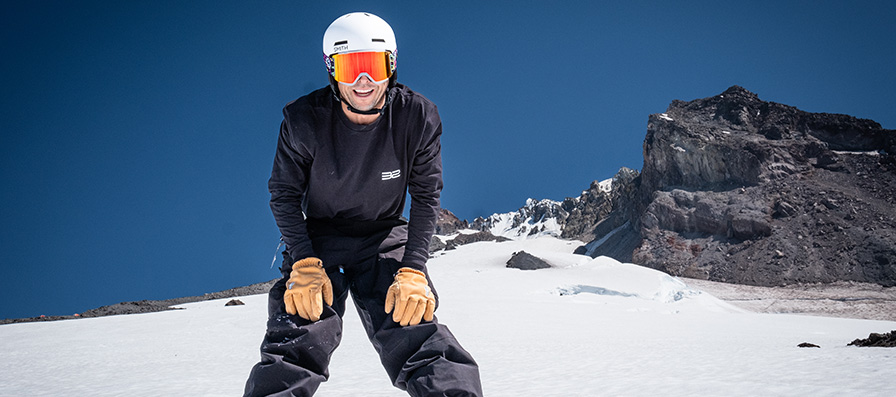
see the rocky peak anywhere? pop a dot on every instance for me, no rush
(742, 190)
(735, 139)
(739, 190)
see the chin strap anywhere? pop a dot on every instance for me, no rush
(371, 111)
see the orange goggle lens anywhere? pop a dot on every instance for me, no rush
(349, 67)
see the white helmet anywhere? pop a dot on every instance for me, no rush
(359, 31)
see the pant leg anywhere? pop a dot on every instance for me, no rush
(426, 359)
(295, 353)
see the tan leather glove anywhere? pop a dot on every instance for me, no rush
(308, 285)
(411, 298)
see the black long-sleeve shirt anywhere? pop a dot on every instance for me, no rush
(332, 170)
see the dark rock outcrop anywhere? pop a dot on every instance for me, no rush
(234, 302)
(462, 239)
(436, 244)
(448, 223)
(740, 190)
(525, 261)
(597, 212)
(876, 340)
(604, 217)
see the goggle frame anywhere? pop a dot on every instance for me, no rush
(388, 61)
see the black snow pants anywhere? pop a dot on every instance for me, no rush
(424, 360)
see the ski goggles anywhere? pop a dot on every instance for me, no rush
(349, 67)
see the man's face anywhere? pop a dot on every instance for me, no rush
(365, 94)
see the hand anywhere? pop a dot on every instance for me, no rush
(308, 285)
(411, 298)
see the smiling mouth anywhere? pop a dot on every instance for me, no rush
(363, 93)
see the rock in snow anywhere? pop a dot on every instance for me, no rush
(877, 340)
(525, 261)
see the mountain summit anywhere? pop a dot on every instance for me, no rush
(739, 190)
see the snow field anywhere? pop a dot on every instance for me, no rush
(585, 327)
(625, 333)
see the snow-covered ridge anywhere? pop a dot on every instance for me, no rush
(537, 218)
(606, 185)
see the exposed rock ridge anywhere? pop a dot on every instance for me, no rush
(604, 207)
(740, 190)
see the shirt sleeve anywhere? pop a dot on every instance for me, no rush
(288, 184)
(425, 188)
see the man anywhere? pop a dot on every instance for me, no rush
(347, 156)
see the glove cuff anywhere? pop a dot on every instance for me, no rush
(308, 262)
(410, 270)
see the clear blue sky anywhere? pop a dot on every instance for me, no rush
(138, 136)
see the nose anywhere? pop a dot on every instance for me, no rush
(363, 80)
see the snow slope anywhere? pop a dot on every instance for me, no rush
(585, 327)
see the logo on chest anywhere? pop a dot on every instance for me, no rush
(391, 174)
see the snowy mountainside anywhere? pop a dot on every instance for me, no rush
(605, 185)
(537, 218)
(583, 327)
